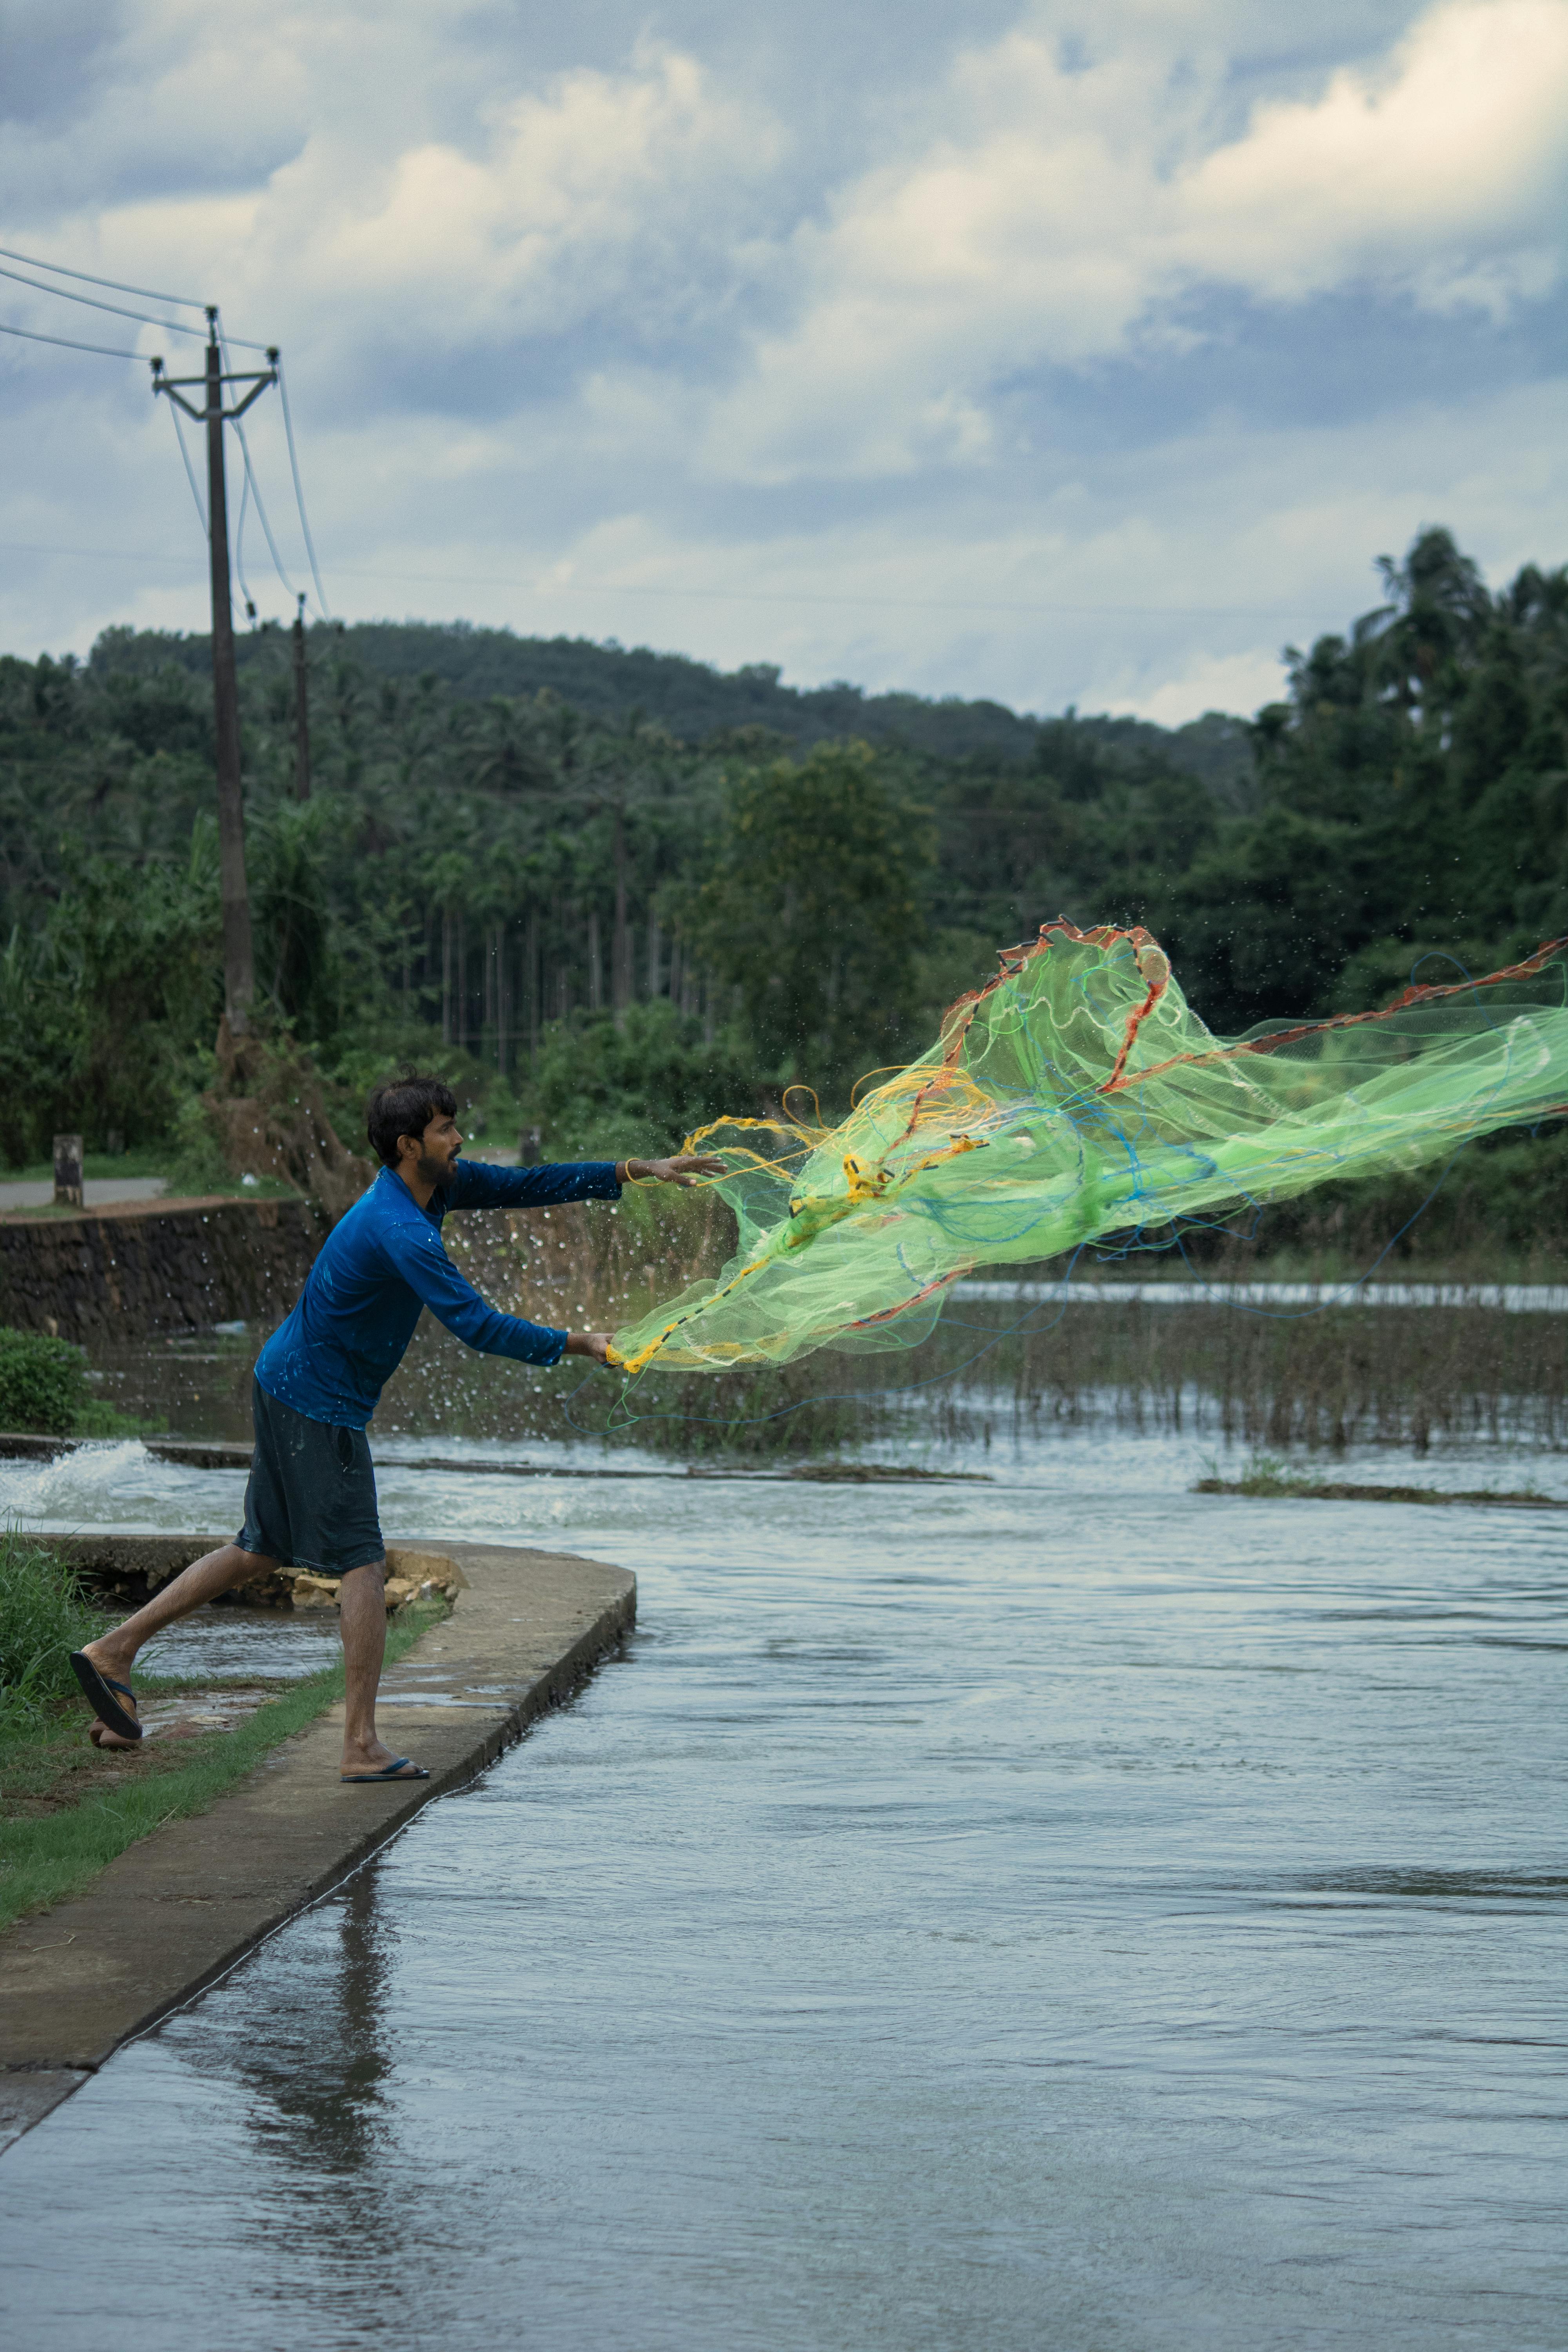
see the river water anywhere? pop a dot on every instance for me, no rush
(1063, 1913)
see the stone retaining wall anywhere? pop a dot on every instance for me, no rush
(137, 1269)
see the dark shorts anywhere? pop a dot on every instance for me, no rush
(310, 1502)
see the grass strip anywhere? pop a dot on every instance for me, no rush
(45, 1857)
(1268, 1477)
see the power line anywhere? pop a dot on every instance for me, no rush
(96, 554)
(548, 587)
(254, 487)
(190, 475)
(64, 294)
(253, 491)
(240, 549)
(90, 302)
(300, 494)
(64, 343)
(58, 269)
(722, 596)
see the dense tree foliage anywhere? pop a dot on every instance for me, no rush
(668, 886)
(811, 909)
(1413, 791)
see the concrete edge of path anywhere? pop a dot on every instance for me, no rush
(173, 1913)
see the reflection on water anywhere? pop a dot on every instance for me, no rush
(218, 1644)
(1059, 1916)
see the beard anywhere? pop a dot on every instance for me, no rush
(436, 1167)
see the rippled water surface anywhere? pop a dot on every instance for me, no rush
(1060, 1914)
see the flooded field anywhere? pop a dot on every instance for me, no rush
(1399, 1364)
(1057, 1910)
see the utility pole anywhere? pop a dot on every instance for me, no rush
(239, 960)
(301, 709)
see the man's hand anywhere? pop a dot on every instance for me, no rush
(685, 1168)
(589, 1343)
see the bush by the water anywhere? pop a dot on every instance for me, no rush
(44, 1389)
(43, 1383)
(43, 1618)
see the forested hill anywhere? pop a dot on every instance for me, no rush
(510, 877)
(695, 702)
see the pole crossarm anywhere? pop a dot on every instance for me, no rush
(257, 378)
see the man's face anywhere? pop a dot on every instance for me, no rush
(438, 1149)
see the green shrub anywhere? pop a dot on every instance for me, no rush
(643, 1085)
(43, 1617)
(43, 1383)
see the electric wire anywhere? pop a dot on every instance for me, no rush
(148, 293)
(239, 549)
(90, 302)
(221, 334)
(215, 331)
(253, 488)
(325, 608)
(190, 475)
(91, 554)
(66, 343)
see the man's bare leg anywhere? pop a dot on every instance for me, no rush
(362, 1612)
(113, 1653)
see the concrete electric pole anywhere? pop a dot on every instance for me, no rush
(238, 961)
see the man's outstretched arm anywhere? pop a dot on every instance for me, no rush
(477, 1185)
(682, 1168)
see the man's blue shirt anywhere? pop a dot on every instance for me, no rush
(348, 1331)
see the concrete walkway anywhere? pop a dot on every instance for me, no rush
(97, 1192)
(174, 1913)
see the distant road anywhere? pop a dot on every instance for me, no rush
(96, 1194)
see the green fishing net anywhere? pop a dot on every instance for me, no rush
(1078, 1096)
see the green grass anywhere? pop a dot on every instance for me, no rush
(1263, 1473)
(45, 1857)
(43, 1616)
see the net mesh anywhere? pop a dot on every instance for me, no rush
(1076, 1096)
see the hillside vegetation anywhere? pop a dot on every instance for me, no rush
(615, 888)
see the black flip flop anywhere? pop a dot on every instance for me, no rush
(396, 1770)
(96, 1689)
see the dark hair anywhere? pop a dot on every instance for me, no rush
(405, 1106)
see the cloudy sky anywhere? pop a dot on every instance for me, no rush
(1060, 353)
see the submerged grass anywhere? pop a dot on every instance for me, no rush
(994, 1371)
(46, 1854)
(1267, 1476)
(1341, 1375)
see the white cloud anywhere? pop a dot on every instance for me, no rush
(1242, 681)
(594, 191)
(1460, 143)
(1070, 209)
(665, 342)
